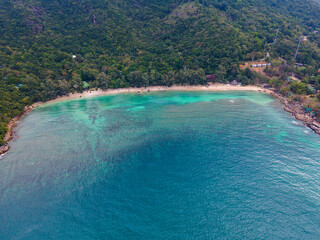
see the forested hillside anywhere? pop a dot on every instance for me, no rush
(52, 47)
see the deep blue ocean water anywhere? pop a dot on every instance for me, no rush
(169, 165)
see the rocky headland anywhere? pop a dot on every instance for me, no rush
(10, 133)
(296, 110)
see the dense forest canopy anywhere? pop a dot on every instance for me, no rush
(52, 47)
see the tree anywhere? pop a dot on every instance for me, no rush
(169, 79)
(103, 80)
(220, 74)
(138, 79)
(155, 78)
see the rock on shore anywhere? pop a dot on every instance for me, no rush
(298, 113)
(10, 133)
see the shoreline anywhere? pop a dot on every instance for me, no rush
(10, 133)
(295, 109)
(96, 93)
(292, 108)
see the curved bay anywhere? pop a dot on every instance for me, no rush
(168, 165)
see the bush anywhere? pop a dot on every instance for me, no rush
(298, 87)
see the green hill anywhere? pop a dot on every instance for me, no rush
(143, 42)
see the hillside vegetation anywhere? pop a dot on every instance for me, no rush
(49, 48)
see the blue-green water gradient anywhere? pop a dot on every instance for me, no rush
(168, 165)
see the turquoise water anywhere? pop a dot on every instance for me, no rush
(169, 165)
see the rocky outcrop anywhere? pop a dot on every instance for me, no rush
(5, 148)
(296, 110)
(288, 110)
(10, 133)
(315, 126)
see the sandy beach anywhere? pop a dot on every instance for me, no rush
(212, 87)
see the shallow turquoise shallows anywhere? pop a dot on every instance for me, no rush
(168, 165)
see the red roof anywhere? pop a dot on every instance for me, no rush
(210, 77)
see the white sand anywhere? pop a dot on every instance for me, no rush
(212, 87)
